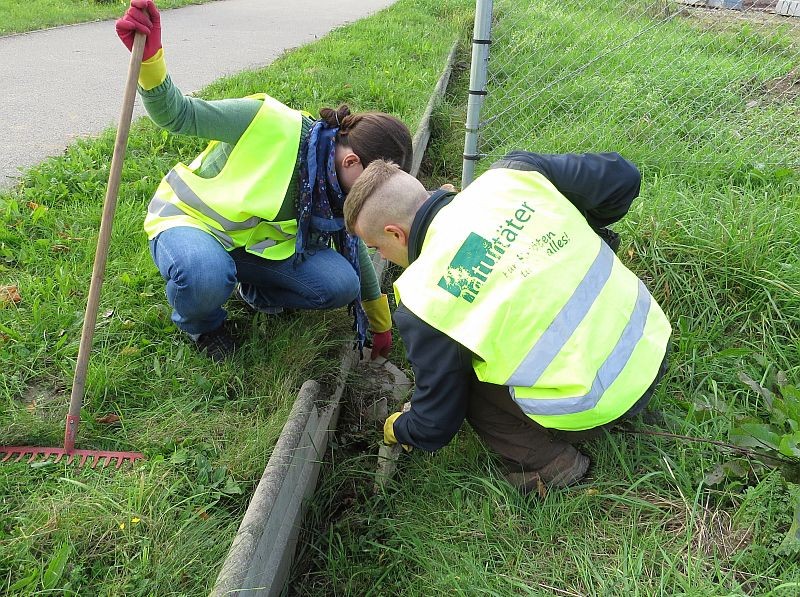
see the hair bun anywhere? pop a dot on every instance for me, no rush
(343, 112)
(328, 115)
(335, 117)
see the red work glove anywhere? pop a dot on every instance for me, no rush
(381, 344)
(142, 16)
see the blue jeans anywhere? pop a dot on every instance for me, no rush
(201, 275)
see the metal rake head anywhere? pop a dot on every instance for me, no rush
(33, 454)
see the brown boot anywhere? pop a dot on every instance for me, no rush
(566, 469)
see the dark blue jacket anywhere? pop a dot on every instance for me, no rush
(601, 185)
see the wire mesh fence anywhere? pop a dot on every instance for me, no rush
(670, 83)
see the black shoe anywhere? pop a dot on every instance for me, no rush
(217, 344)
(610, 237)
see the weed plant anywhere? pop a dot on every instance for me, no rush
(164, 526)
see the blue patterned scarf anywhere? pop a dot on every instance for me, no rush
(319, 210)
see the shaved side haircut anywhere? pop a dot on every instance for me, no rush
(369, 181)
(383, 194)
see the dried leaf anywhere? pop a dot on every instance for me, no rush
(32, 205)
(130, 351)
(108, 419)
(60, 249)
(630, 253)
(66, 236)
(541, 488)
(108, 313)
(9, 294)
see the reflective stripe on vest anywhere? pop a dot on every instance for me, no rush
(511, 270)
(238, 204)
(606, 375)
(184, 192)
(561, 329)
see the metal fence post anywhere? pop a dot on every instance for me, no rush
(481, 38)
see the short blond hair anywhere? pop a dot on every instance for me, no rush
(369, 181)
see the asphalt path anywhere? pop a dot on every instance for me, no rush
(60, 84)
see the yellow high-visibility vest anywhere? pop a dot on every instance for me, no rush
(237, 205)
(511, 270)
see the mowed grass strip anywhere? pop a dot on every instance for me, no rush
(163, 527)
(19, 17)
(717, 245)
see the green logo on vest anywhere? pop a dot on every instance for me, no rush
(470, 267)
(476, 258)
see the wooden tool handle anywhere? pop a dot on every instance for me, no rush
(101, 254)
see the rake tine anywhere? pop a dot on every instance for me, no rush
(93, 458)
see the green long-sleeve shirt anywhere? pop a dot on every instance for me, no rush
(226, 120)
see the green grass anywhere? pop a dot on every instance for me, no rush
(163, 527)
(717, 246)
(29, 15)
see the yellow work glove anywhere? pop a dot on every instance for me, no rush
(388, 431)
(154, 71)
(377, 310)
(380, 325)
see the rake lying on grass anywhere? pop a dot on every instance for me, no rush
(90, 319)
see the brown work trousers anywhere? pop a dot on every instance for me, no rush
(523, 444)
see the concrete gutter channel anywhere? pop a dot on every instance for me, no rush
(261, 554)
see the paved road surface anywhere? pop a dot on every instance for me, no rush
(60, 84)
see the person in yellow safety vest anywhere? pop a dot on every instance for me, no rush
(257, 211)
(514, 310)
